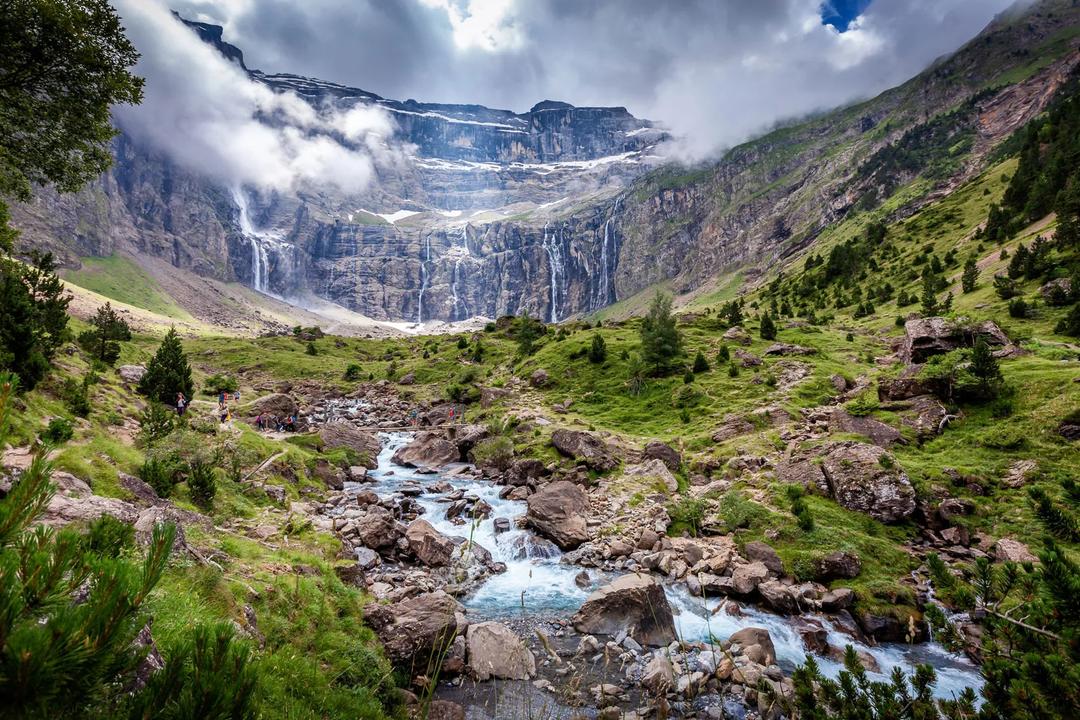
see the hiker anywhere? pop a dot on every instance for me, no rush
(260, 421)
(236, 395)
(221, 400)
(412, 417)
(224, 414)
(181, 404)
(451, 414)
(290, 424)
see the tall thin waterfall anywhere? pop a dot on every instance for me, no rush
(553, 247)
(260, 265)
(460, 251)
(423, 279)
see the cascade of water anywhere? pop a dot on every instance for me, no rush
(460, 250)
(602, 297)
(260, 264)
(553, 246)
(423, 279)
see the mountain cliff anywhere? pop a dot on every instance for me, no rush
(562, 210)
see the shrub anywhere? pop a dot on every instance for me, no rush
(597, 350)
(688, 377)
(723, 354)
(58, 431)
(202, 482)
(354, 372)
(496, 452)
(109, 537)
(76, 397)
(1005, 287)
(155, 422)
(161, 474)
(1019, 308)
(311, 349)
(217, 384)
(701, 365)
(462, 343)
(733, 370)
(862, 404)
(687, 514)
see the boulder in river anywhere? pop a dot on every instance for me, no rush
(559, 512)
(414, 631)
(634, 603)
(377, 529)
(495, 651)
(754, 636)
(429, 545)
(427, 449)
(585, 447)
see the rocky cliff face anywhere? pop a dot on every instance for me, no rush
(560, 210)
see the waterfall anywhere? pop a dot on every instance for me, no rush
(460, 250)
(260, 264)
(602, 298)
(553, 247)
(423, 279)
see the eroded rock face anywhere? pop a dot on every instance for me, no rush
(427, 449)
(340, 434)
(496, 652)
(878, 432)
(559, 512)
(653, 471)
(656, 450)
(585, 447)
(869, 480)
(414, 631)
(635, 603)
(926, 337)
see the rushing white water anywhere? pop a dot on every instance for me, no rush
(460, 251)
(553, 246)
(536, 583)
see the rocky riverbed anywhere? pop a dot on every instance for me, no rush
(503, 590)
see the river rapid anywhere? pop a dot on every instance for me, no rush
(537, 584)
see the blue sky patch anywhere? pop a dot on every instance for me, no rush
(840, 13)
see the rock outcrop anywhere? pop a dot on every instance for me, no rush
(427, 449)
(415, 631)
(867, 479)
(343, 435)
(585, 447)
(926, 337)
(429, 545)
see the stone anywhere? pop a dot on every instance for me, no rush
(501, 525)
(1019, 473)
(732, 426)
(632, 603)
(815, 638)
(869, 663)
(142, 492)
(131, 374)
(745, 578)
(408, 378)
(648, 539)
(277, 404)
(559, 511)
(956, 536)
(1010, 550)
(429, 545)
(755, 636)
(377, 529)
(658, 675)
(903, 387)
(343, 435)
(746, 358)
(839, 565)
(427, 449)
(803, 471)
(357, 473)
(926, 337)
(763, 553)
(414, 631)
(440, 710)
(539, 378)
(656, 450)
(652, 472)
(585, 447)
(366, 558)
(880, 434)
(867, 479)
(467, 436)
(496, 652)
(788, 349)
(737, 335)
(582, 579)
(778, 596)
(1056, 287)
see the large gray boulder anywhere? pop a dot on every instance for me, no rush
(427, 449)
(755, 636)
(926, 337)
(584, 447)
(656, 450)
(559, 511)
(278, 404)
(634, 603)
(415, 631)
(343, 435)
(496, 652)
(131, 374)
(867, 479)
(377, 529)
(429, 545)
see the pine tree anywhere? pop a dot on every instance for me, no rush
(597, 350)
(168, 372)
(661, 343)
(1068, 210)
(984, 368)
(929, 296)
(701, 365)
(107, 330)
(767, 328)
(969, 280)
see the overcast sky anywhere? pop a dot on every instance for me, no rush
(714, 71)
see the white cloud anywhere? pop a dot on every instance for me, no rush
(484, 24)
(211, 117)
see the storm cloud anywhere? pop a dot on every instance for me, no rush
(713, 71)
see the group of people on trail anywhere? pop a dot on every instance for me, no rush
(414, 416)
(223, 404)
(265, 421)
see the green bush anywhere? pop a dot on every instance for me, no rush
(109, 537)
(687, 514)
(155, 422)
(59, 430)
(862, 404)
(354, 372)
(202, 482)
(160, 473)
(496, 452)
(217, 384)
(76, 396)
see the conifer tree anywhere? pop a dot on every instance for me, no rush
(661, 343)
(168, 372)
(969, 280)
(701, 365)
(984, 368)
(108, 329)
(768, 327)
(598, 349)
